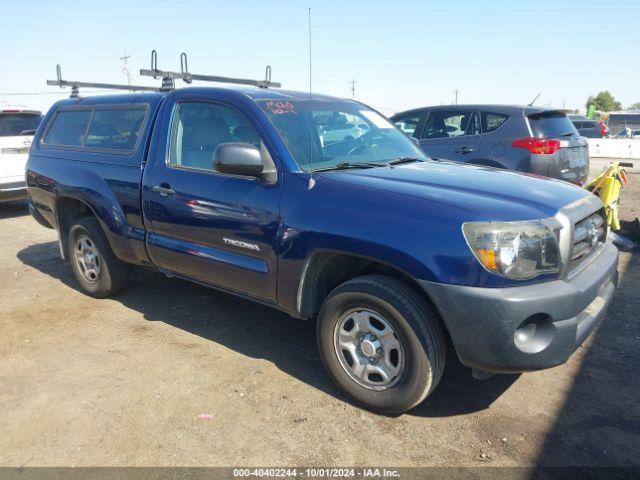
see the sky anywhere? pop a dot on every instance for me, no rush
(402, 54)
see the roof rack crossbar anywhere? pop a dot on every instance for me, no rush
(188, 77)
(168, 79)
(75, 85)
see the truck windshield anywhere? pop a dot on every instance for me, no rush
(13, 124)
(323, 134)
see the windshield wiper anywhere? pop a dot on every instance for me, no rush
(399, 160)
(348, 165)
(568, 134)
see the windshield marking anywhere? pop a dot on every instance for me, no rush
(281, 108)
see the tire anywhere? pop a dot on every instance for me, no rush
(417, 339)
(104, 274)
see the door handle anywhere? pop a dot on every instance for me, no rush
(163, 190)
(464, 150)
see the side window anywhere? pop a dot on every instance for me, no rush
(199, 127)
(68, 128)
(447, 123)
(116, 128)
(491, 121)
(408, 123)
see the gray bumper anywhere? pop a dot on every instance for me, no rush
(525, 328)
(13, 191)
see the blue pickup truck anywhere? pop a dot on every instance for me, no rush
(321, 208)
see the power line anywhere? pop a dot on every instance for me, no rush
(353, 87)
(125, 67)
(388, 109)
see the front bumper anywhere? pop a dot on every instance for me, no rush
(517, 329)
(15, 190)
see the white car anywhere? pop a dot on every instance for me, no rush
(17, 127)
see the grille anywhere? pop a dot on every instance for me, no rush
(588, 234)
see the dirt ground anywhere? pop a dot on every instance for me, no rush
(169, 373)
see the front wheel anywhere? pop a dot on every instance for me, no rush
(381, 343)
(98, 271)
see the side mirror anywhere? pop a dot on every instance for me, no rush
(238, 158)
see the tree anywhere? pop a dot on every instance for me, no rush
(604, 102)
(635, 106)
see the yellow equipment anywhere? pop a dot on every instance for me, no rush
(607, 187)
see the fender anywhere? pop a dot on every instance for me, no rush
(103, 189)
(390, 229)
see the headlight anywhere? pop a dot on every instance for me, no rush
(514, 249)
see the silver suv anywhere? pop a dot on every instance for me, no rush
(523, 138)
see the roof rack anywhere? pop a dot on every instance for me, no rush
(168, 77)
(75, 85)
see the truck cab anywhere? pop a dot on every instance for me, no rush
(391, 253)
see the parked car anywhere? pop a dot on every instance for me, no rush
(338, 128)
(390, 252)
(17, 127)
(589, 128)
(526, 139)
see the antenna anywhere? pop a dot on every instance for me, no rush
(534, 99)
(312, 182)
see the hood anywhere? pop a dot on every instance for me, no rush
(490, 194)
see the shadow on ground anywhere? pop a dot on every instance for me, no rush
(599, 424)
(261, 332)
(18, 208)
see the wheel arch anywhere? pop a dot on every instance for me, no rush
(324, 270)
(70, 209)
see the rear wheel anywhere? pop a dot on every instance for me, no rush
(98, 271)
(381, 343)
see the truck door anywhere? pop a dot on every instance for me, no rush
(451, 135)
(216, 228)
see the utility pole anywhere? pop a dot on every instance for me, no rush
(353, 88)
(125, 68)
(456, 92)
